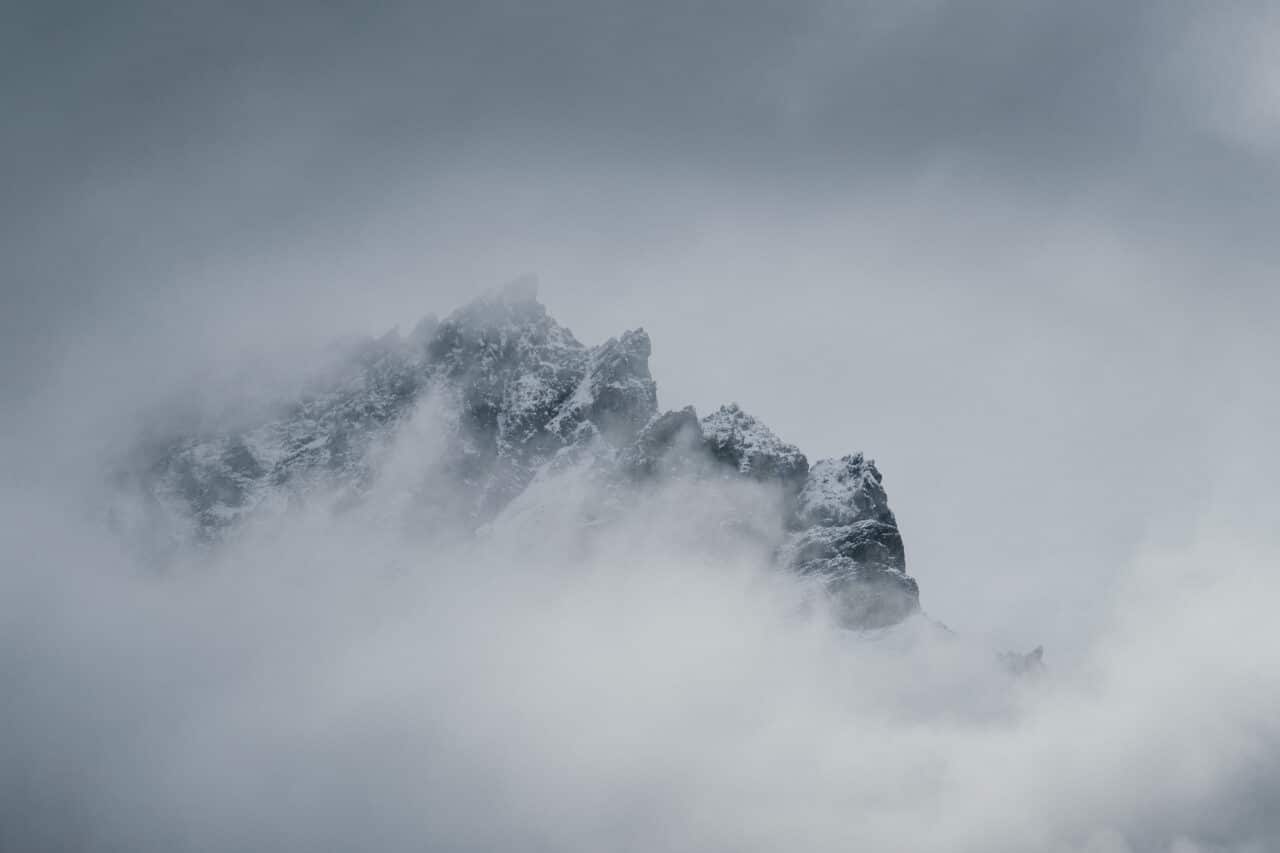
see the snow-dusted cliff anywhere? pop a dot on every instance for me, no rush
(524, 401)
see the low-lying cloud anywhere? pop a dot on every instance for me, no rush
(340, 681)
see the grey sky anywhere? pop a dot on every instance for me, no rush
(1020, 252)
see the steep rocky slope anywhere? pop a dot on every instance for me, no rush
(525, 399)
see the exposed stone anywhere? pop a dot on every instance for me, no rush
(750, 447)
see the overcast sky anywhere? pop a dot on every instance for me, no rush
(1021, 252)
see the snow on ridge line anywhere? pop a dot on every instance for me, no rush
(530, 401)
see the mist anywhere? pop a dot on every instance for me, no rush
(1019, 253)
(330, 682)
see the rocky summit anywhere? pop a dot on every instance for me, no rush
(527, 400)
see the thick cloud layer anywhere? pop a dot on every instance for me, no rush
(324, 683)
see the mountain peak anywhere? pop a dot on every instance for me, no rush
(528, 399)
(751, 447)
(511, 307)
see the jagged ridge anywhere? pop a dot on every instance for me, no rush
(529, 397)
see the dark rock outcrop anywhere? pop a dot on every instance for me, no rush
(751, 448)
(848, 537)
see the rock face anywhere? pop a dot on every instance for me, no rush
(849, 538)
(750, 447)
(527, 398)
